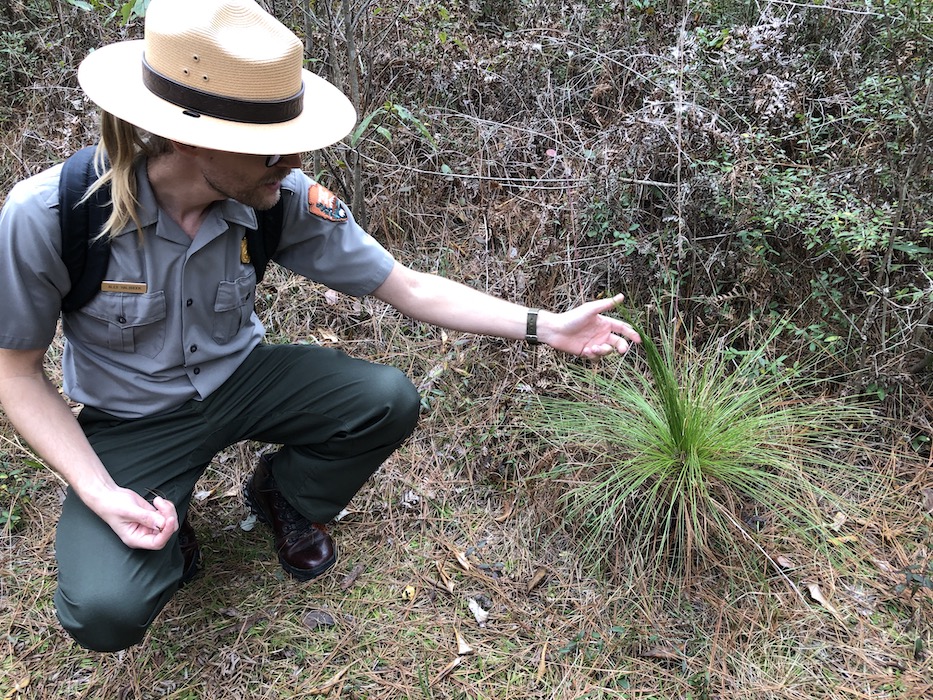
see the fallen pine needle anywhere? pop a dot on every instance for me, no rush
(446, 670)
(329, 685)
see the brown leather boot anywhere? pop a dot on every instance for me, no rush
(188, 543)
(305, 549)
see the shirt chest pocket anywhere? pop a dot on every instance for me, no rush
(233, 307)
(125, 322)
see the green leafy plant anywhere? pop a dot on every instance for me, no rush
(604, 224)
(17, 484)
(127, 10)
(916, 577)
(399, 113)
(691, 460)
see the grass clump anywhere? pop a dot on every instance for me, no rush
(699, 454)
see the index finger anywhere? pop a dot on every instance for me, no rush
(625, 330)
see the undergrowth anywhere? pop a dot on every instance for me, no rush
(769, 163)
(689, 458)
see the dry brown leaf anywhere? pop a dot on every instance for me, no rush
(818, 596)
(784, 562)
(463, 647)
(350, 578)
(328, 336)
(315, 619)
(446, 670)
(460, 557)
(506, 512)
(539, 576)
(445, 579)
(928, 500)
(541, 663)
(884, 565)
(21, 684)
(838, 521)
(664, 653)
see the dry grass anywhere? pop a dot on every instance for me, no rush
(460, 513)
(457, 516)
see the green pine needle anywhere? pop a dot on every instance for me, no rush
(682, 457)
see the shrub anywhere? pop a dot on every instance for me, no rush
(690, 461)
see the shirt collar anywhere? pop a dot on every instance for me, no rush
(234, 212)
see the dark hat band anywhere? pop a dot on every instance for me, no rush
(229, 108)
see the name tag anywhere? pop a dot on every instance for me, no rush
(126, 287)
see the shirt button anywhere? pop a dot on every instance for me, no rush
(194, 348)
(121, 319)
(197, 370)
(189, 302)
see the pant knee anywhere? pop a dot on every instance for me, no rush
(105, 621)
(396, 392)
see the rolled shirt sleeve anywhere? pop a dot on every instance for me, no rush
(336, 253)
(33, 278)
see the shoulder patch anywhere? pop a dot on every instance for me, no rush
(324, 203)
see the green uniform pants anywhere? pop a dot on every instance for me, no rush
(337, 419)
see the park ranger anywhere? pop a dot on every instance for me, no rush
(202, 126)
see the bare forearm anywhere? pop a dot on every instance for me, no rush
(46, 422)
(443, 302)
(583, 330)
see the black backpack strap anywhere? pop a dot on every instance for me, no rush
(84, 255)
(264, 240)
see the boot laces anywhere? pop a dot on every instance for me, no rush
(295, 525)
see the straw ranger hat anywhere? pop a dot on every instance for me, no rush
(222, 74)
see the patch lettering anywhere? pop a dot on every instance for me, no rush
(324, 204)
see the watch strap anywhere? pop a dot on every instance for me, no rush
(531, 328)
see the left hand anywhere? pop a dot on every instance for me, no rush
(585, 332)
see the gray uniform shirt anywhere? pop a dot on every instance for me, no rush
(137, 354)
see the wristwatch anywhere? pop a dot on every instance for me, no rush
(531, 327)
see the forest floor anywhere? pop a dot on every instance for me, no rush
(461, 518)
(458, 575)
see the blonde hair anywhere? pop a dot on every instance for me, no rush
(121, 145)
